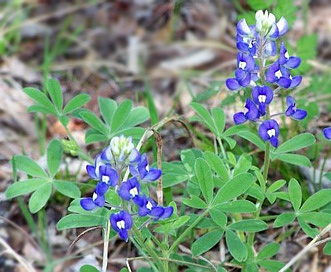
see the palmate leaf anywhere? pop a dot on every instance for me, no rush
(23, 187)
(29, 166)
(40, 197)
(107, 108)
(54, 156)
(41, 99)
(204, 177)
(296, 143)
(206, 242)
(237, 248)
(76, 102)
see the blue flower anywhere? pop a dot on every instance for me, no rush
(159, 212)
(281, 76)
(97, 200)
(143, 171)
(246, 71)
(287, 61)
(292, 111)
(129, 189)
(121, 222)
(327, 133)
(269, 131)
(93, 171)
(108, 177)
(262, 96)
(145, 205)
(252, 113)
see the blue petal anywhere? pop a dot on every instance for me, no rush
(274, 32)
(134, 156)
(168, 211)
(290, 101)
(263, 132)
(124, 190)
(101, 188)
(153, 174)
(284, 82)
(290, 111)
(114, 218)
(232, 84)
(157, 212)
(296, 81)
(100, 201)
(327, 133)
(274, 141)
(282, 26)
(293, 62)
(127, 219)
(299, 114)
(87, 204)
(239, 118)
(90, 169)
(242, 28)
(123, 233)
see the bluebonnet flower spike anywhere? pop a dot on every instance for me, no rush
(121, 222)
(327, 133)
(292, 111)
(269, 131)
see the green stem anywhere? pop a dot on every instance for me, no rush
(140, 240)
(322, 168)
(180, 238)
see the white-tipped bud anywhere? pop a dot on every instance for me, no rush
(264, 21)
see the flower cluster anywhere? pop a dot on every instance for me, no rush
(256, 44)
(108, 168)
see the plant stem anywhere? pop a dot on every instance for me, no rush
(322, 168)
(105, 247)
(180, 238)
(150, 251)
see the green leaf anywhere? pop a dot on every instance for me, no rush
(237, 249)
(91, 119)
(271, 265)
(206, 242)
(253, 138)
(23, 187)
(76, 102)
(173, 174)
(243, 165)
(205, 179)
(194, 202)
(327, 248)
(94, 136)
(295, 159)
(180, 221)
(188, 157)
(295, 193)
(311, 232)
(237, 206)
(319, 219)
(40, 197)
(219, 119)
(121, 115)
(88, 268)
(217, 165)
(40, 98)
(234, 188)
(268, 251)
(30, 167)
(249, 225)
(107, 108)
(67, 188)
(317, 200)
(55, 92)
(40, 108)
(137, 116)
(276, 185)
(284, 219)
(296, 143)
(54, 156)
(81, 221)
(218, 217)
(205, 116)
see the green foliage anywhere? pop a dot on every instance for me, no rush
(41, 184)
